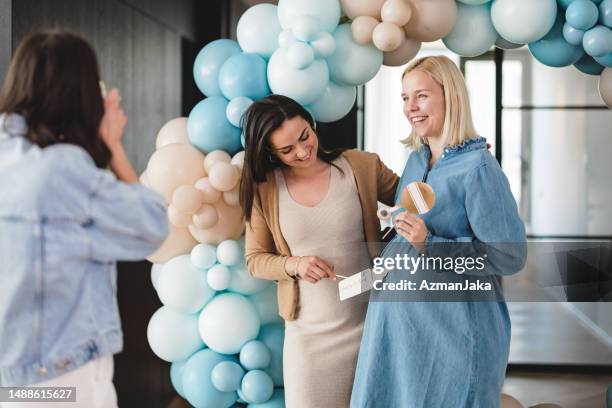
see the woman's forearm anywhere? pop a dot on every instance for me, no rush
(121, 166)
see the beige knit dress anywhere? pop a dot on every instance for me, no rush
(321, 345)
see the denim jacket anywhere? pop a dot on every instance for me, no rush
(63, 225)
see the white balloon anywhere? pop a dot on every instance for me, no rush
(286, 38)
(155, 271)
(258, 30)
(229, 253)
(300, 55)
(323, 45)
(523, 21)
(218, 277)
(305, 27)
(185, 339)
(328, 12)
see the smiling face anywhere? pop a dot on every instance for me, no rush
(424, 104)
(295, 144)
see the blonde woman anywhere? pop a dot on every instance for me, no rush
(430, 354)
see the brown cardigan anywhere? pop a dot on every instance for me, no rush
(266, 249)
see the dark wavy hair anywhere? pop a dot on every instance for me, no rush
(262, 119)
(54, 83)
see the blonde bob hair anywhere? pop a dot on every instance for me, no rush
(458, 125)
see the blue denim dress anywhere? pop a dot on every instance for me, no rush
(417, 354)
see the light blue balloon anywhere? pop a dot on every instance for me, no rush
(255, 355)
(244, 283)
(582, 14)
(473, 33)
(236, 108)
(605, 13)
(597, 42)
(244, 75)
(257, 387)
(589, 66)
(209, 129)
(176, 376)
(155, 270)
(277, 400)
(565, 3)
(352, 64)
(553, 50)
(230, 252)
(302, 85)
(258, 30)
(219, 277)
(327, 12)
(572, 35)
(266, 304)
(606, 60)
(203, 256)
(185, 339)
(197, 384)
(335, 103)
(227, 376)
(273, 336)
(208, 63)
(300, 55)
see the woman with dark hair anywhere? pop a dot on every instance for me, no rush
(310, 214)
(65, 220)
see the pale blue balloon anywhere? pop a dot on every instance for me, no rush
(227, 376)
(255, 355)
(244, 75)
(523, 21)
(258, 30)
(323, 45)
(273, 336)
(605, 13)
(589, 66)
(335, 103)
(327, 12)
(266, 304)
(606, 60)
(236, 108)
(565, 3)
(228, 322)
(197, 384)
(182, 286)
(597, 42)
(230, 252)
(302, 85)
(352, 64)
(208, 63)
(572, 35)
(582, 14)
(244, 283)
(185, 339)
(203, 256)
(473, 33)
(257, 387)
(176, 376)
(155, 270)
(209, 129)
(305, 28)
(276, 401)
(553, 50)
(300, 55)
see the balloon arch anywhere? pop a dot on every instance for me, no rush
(219, 326)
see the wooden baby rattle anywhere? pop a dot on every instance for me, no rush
(416, 198)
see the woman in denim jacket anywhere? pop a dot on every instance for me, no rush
(65, 220)
(444, 353)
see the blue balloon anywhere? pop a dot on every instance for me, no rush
(606, 60)
(605, 13)
(227, 376)
(597, 42)
(185, 340)
(208, 63)
(266, 304)
(565, 3)
(255, 355)
(277, 400)
(335, 103)
(582, 14)
(256, 387)
(553, 50)
(473, 33)
(236, 108)
(273, 336)
(589, 66)
(244, 283)
(209, 129)
(258, 30)
(572, 35)
(197, 384)
(176, 376)
(244, 75)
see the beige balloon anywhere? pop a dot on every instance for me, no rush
(229, 226)
(210, 194)
(431, 19)
(605, 86)
(362, 28)
(179, 242)
(177, 218)
(406, 51)
(397, 12)
(214, 157)
(206, 217)
(506, 401)
(238, 160)
(223, 176)
(187, 199)
(387, 37)
(174, 131)
(356, 8)
(232, 197)
(172, 166)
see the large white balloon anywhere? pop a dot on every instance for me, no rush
(335, 103)
(473, 33)
(326, 11)
(258, 30)
(173, 336)
(523, 21)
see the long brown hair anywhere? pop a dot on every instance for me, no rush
(53, 82)
(262, 119)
